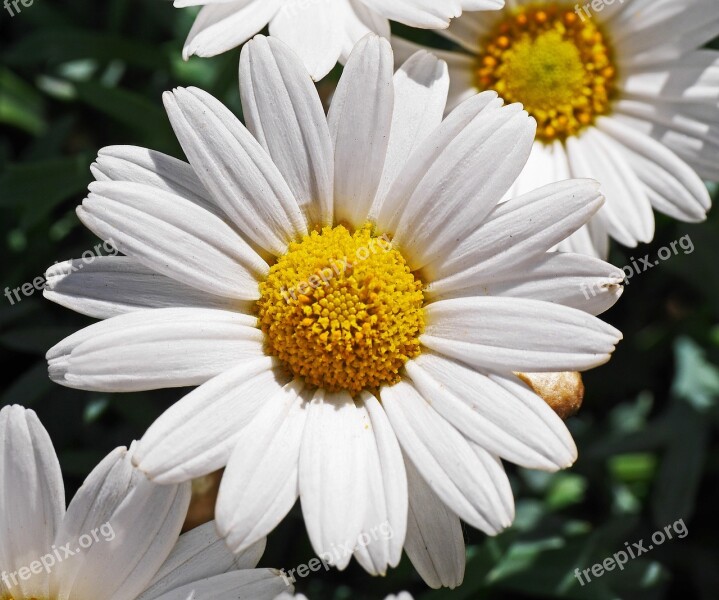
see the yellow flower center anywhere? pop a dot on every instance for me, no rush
(555, 62)
(342, 310)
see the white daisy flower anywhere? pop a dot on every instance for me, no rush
(320, 31)
(120, 537)
(623, 94)
(350, 299)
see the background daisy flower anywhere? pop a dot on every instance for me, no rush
(623, 94)
(321, 32)
(135, 549)
(350, 299)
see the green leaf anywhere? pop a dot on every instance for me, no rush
(37, 187)
(696, 379)
(680, 472)
(57, 47)
(21, 105)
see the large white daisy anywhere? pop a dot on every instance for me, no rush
(320, 31)
(352, 300)
(120, 537)
(622, 94)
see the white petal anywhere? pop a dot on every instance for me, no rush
(516, 334)
(197, 435)
(427, 14)
(199, 554)
(546, 165)
(284, 112)
(153, 349)
(421, 85)
(446, 460)
(456, 177)
(688, 129)
(32, 499)
(313, 30)
(360, 118)
(461, 66)
(385, 521)
(470, 29)
(591, 239)
(497, 413)
(260, 484)
(673, 187)
(132, 525)
(639, 31)
(114, 285)
(574, 280)
(516, 232)
(435, 543)
(174, 237)
(235, 169)
(148, 167)
(225, 25)
(627, 212)
(257, 584)
(332, 468)
(358, 21)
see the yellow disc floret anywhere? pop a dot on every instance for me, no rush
(555, 62)
(342, 310)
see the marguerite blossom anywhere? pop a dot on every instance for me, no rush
(120, 537)
(622, 93)
(351, 299)
(320, 31)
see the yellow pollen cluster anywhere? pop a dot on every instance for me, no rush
(555, 63)
(342, 310)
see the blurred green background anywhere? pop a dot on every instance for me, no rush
(77, 75)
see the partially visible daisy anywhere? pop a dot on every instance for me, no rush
(624, 95)
(320, 31)
(352, 300)
(119, 539)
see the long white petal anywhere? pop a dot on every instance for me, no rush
(574, 280)
(435, 543)
(283, 111)
(114, 285)
(235, 169)
(153, 349)
(385, 522)
(313, 30)
(498, 413)
(332, 467)
(360, 119)
(516, 334)
(516, 232)
(174, 237)
(197, 435)
(197, 555)
(132, 525)
(32, 499)
(456, 177)
(421, 85)
(446, 460)
(260, 484)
